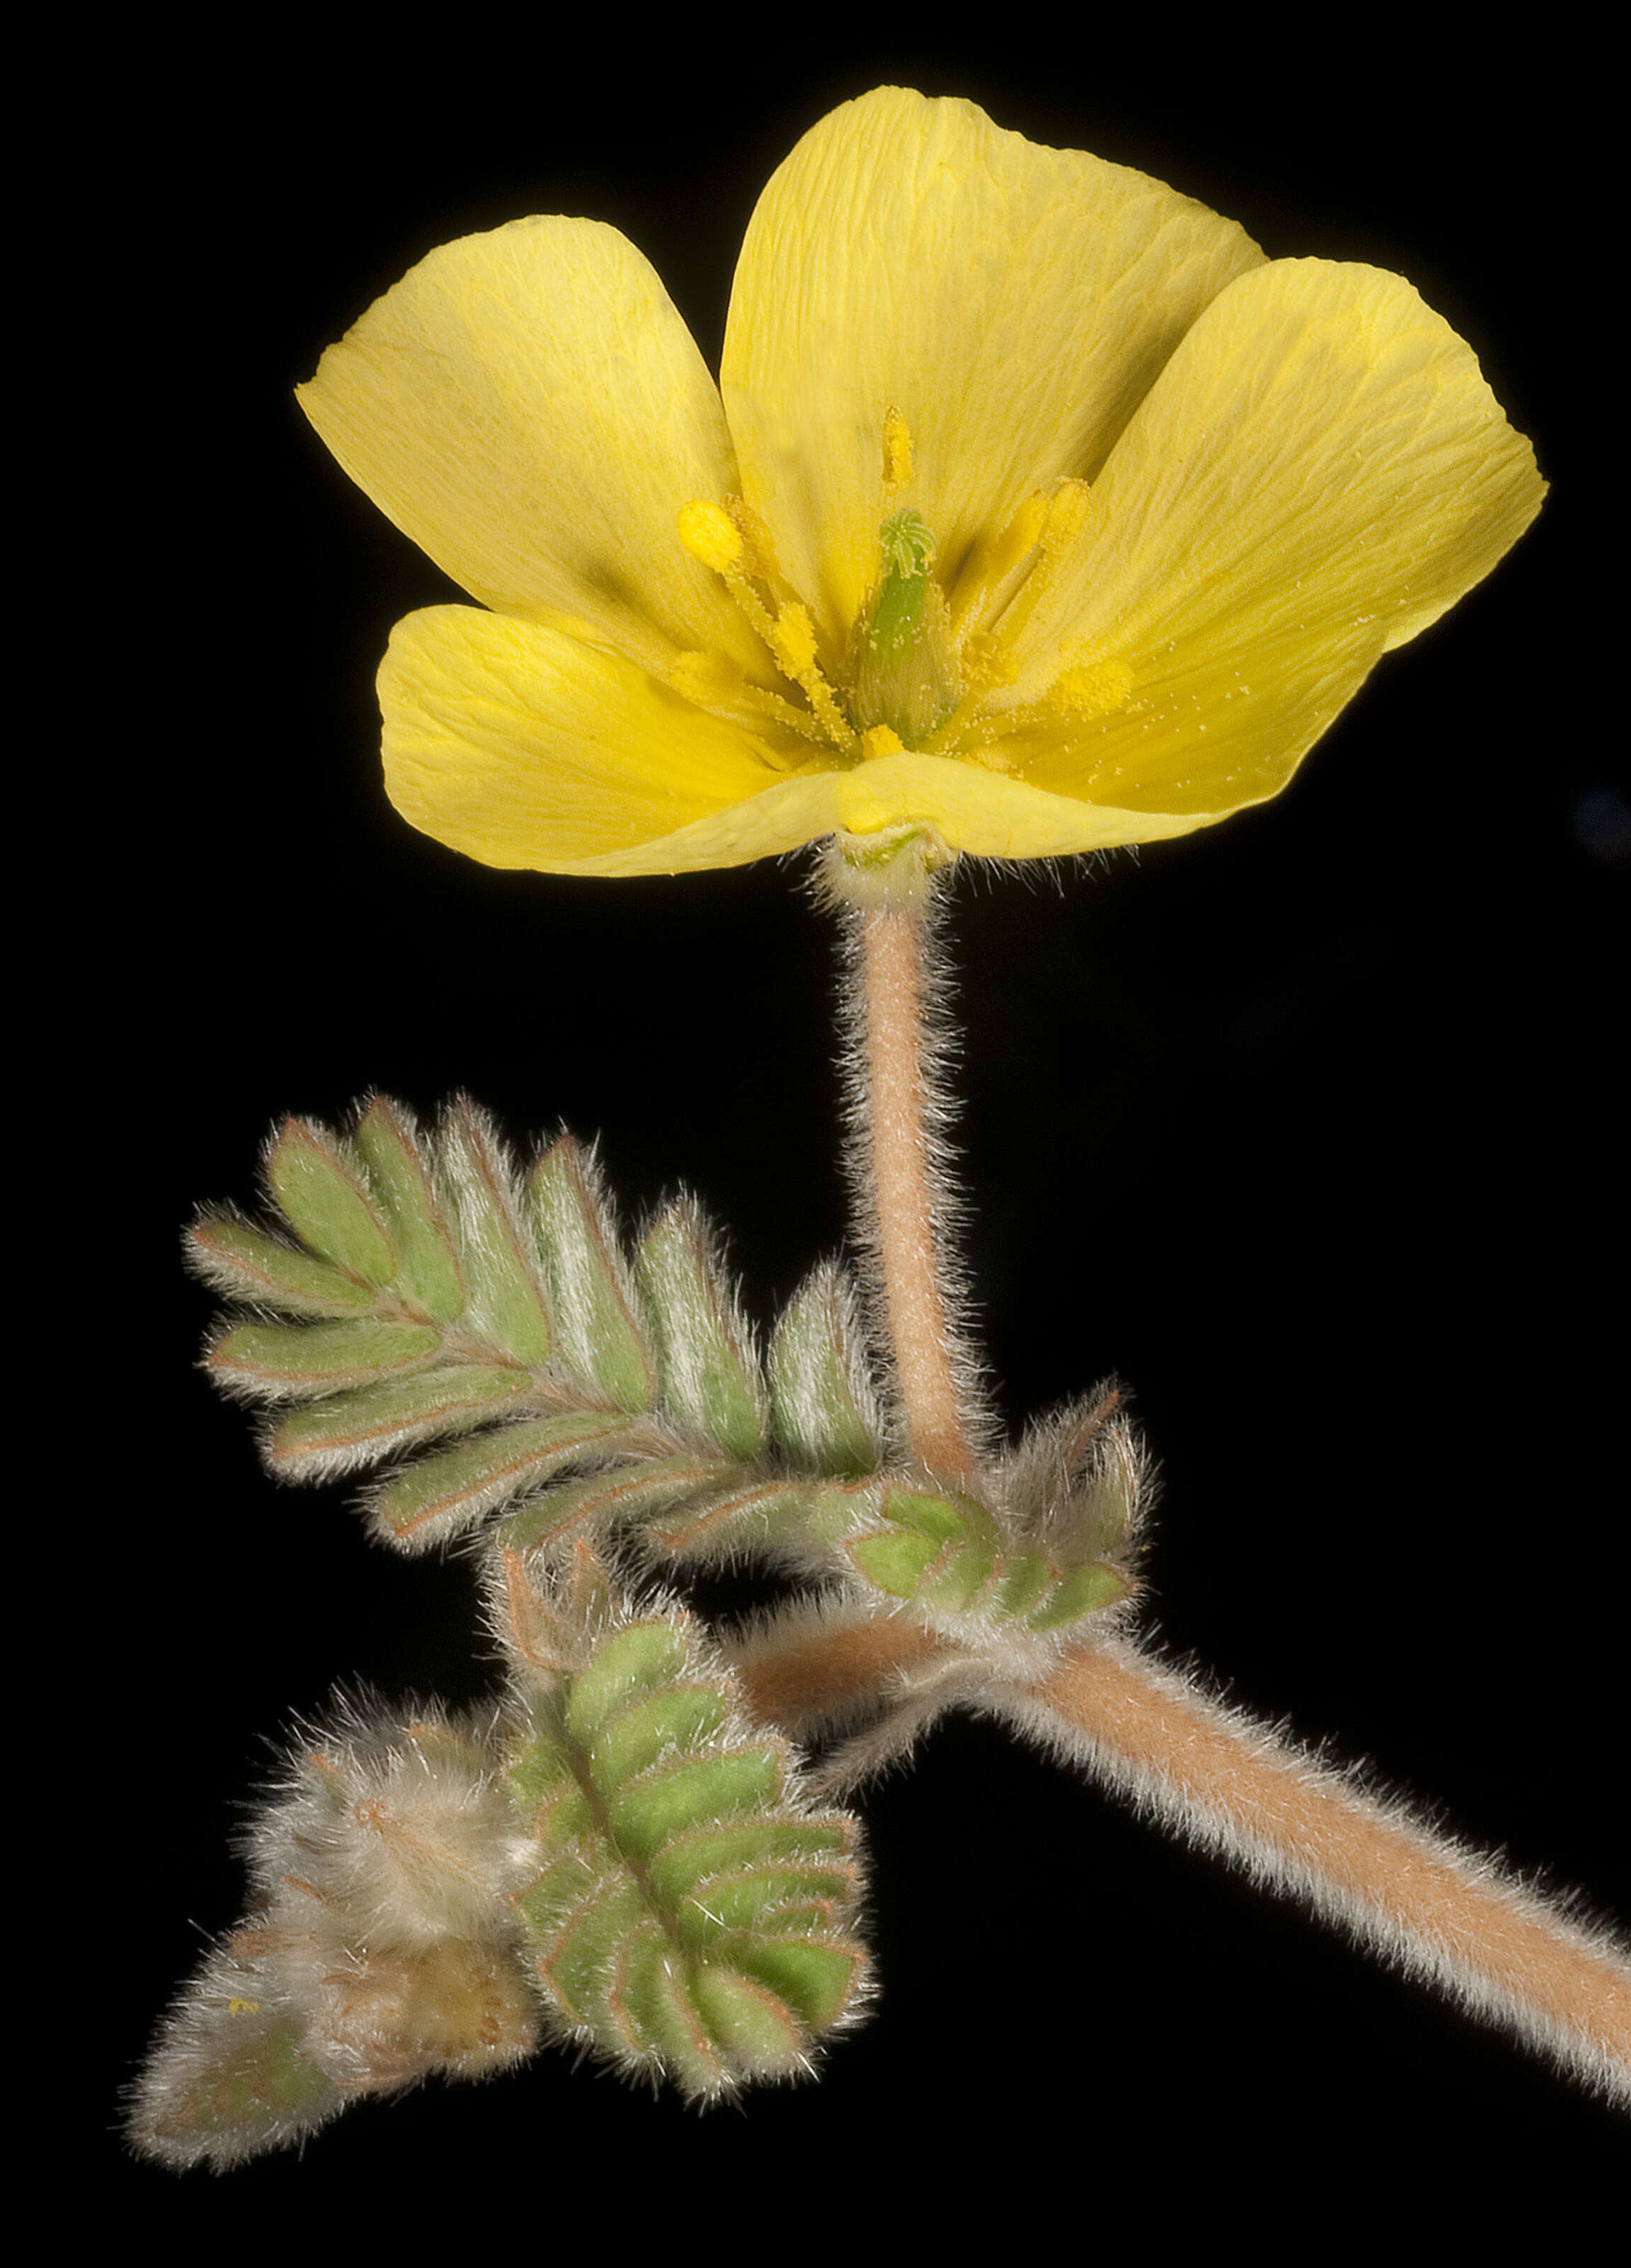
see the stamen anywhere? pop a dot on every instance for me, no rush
(1080, 695)
(707, 680)
(792, 641)
(1092, 688)
(993, 561)
(1067, 515)
(710, 535)
(1047, 524)
(733, 541)
(986, 664)
(713, 682)
(1062, 523)
(897, 449)
(756, 538)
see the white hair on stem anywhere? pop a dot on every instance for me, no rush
(1453, 1918)
(897, 1048)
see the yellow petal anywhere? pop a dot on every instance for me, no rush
(530, 408)
(970, 809)
(523, 746)
(1014, 303)
(1202, 736)
(1319, 474)
(989, 815)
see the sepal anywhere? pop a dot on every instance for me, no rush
(384, 1949)
(226, 2079)
(1081, 1483)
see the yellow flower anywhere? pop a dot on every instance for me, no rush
(1034, 508)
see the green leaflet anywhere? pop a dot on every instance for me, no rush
(826, 1413)
(246, 1263)
(376, 1240)
(706, 1362)
(505, 1300)
(808, 1849)
(1081, 1591)
(345, 1431)
(747, 1512)
(287, 1359)
(322, 1197)
(690, 1916)
(693, 1509)
(599, 1341)
(626, 1494)
(428, 1265)
(444, 1494)
(641, 1659)
(948, 1555)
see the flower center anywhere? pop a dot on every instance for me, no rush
(923, 658)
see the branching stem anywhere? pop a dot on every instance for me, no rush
(1233, 1786)
(1111, 1709)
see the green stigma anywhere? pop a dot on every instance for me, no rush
(900, 661)
(906, 551)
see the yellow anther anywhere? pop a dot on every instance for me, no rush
(879, 740)
(1082, 694)
(707, 678)
(995, 560)
(1092, 688)
(732, 540)
(1023, 533)
(1067, 515)
(756, 539)
(986, 662)
(792, 641)
(1040, 532)
(711, 681)
(897, 449)
(709, 533)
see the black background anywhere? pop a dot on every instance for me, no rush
(1301, 1124)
